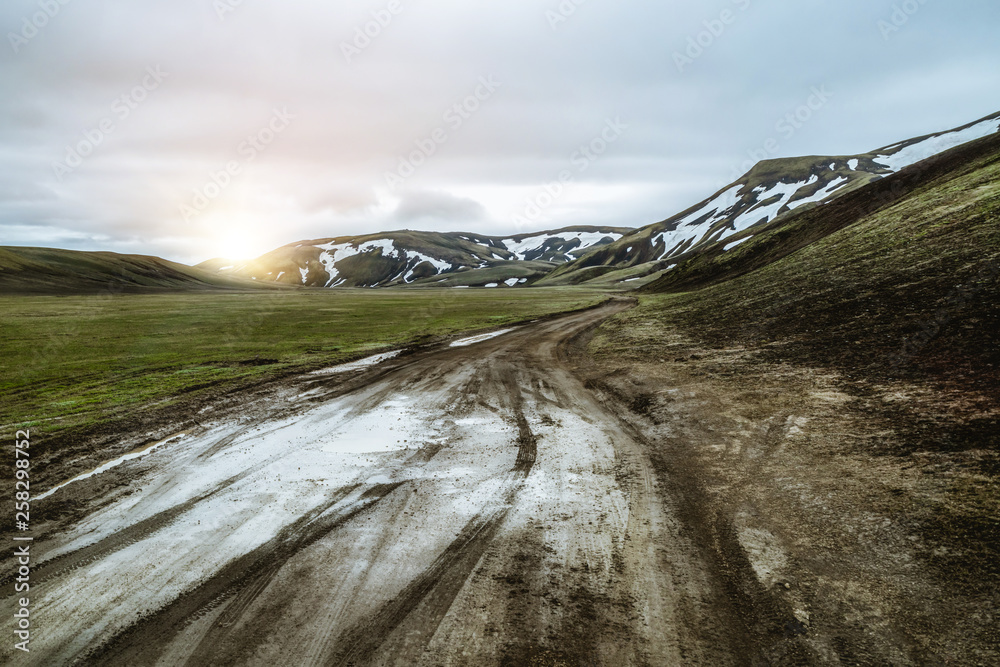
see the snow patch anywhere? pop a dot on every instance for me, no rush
(367, 433)
(730, 246)
(465, 342)
(360, 364)
(439, 265)
(335, 252)
(717, 206)
(521, 248)
(728, 202)
(937, 144)
(763, 214)
(822, 194)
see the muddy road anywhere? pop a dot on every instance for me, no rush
(468, 505)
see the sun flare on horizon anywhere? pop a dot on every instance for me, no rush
(237, 237)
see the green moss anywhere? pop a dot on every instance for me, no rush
(70, 361)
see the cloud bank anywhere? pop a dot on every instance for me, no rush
(192, 129)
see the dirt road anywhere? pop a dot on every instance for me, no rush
(471, 505)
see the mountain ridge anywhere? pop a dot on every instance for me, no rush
(788, 234)
(600, 256)
(771, 189)
(408, 257)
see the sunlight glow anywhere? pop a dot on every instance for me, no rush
(237, 237)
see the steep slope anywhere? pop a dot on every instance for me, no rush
(407, 257)
(910, 287)
(773, 188)
(788, 234)
(53, 271)
(833, 413)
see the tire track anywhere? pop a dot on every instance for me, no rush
(430, 595)
(141, 530)
(66, 563)
(222, 443)
(239, 582)
(223, 616)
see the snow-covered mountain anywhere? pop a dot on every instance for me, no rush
(769, 190)
(773, 188)
(406, 257)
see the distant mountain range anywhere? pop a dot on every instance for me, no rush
(600, 256)
(407, 258)
(596, 255)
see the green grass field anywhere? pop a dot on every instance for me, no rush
(78, 360)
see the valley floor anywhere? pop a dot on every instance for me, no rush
(514, 502)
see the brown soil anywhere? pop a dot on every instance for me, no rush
(698, 510)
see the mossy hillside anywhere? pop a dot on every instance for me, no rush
(55, 271)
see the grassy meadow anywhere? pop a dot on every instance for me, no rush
(72, 361)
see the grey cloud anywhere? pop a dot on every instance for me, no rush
(354, 121)
(440, 207)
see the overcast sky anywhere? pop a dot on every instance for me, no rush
(197, 128)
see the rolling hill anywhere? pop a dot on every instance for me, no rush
(769, 191)
(26, 270)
